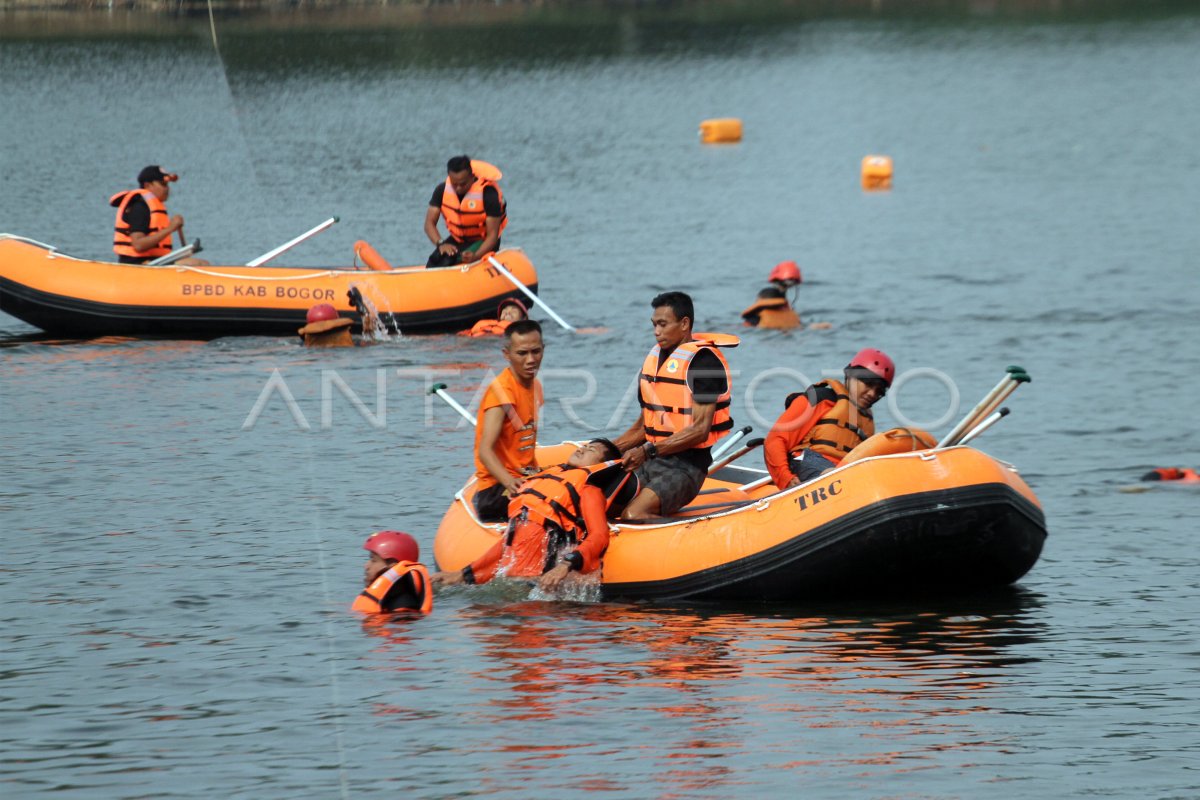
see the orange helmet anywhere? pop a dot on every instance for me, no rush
(875, 362)
(321, 312)
(393, 545)
(786, 272)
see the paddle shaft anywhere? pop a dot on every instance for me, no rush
(729, 441)
(267, 256)
(727, 460)
(513, 279)
(983, 426)
(440, 390)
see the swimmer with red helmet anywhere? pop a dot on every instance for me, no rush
(394, 577)
(772, 308)
(324, 327)
(820, 425)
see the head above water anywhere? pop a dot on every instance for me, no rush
(786, 273)
(672, 319)
(511, 309)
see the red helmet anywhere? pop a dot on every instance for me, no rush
(321, 312)
(393, 545)
(512, 301)
(786, 271)
(875, 361)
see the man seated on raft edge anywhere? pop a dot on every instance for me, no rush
(506, 422)
(820, 425)
(394, 577)
(558, 521)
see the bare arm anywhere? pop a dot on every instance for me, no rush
(677, 442)
(431, 220)
(144, 241)
(493, 422)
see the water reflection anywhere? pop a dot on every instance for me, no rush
(896, 681)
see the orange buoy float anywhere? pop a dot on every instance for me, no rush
(876, 173)
(720, 131)
(371, 257)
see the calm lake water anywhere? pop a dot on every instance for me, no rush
(176, 569)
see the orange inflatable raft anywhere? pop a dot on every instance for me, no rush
(901, 523)
(62, 294)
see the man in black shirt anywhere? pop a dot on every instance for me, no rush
(143, 229)
(684, 390)
(474, 209)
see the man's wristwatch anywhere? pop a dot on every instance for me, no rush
(651, 450)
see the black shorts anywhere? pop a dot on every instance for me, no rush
(675, 480)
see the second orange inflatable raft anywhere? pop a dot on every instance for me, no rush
(65, 295)
(899, 524)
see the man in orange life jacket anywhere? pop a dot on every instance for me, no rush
(557, 521)
(474, 209)
(143, 229)
(684, 389)
(820, 425)
(394, 577)
(506, 424)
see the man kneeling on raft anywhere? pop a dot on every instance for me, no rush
(557, 521)
(394, 577)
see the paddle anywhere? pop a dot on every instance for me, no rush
(983, 426)
(513, 279)
(1008, 384)
(440, 390)
(729, 441)
(727, 460)
(267, 256)
(175, 255)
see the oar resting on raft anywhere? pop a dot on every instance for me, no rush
(513, 279)
(440, 390)
(283, 248)
(1014, 377)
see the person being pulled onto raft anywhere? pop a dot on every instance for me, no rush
(474, 209)
(509, 311)
(557, 521)
(143, 229)
(684, 388)
(324, 328)
(394, 577)
(820, 425)
(506, 423)
(772, 308)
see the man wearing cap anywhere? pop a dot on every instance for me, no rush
(474, 209)
(143, 228)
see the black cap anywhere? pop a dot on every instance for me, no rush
(155, 173)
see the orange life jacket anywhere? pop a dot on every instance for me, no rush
(374, 599)
(838, 425)
(667, 402)
(771, 312)
(552, 495)
(465, 218)
(488, 327)
(159, 219)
